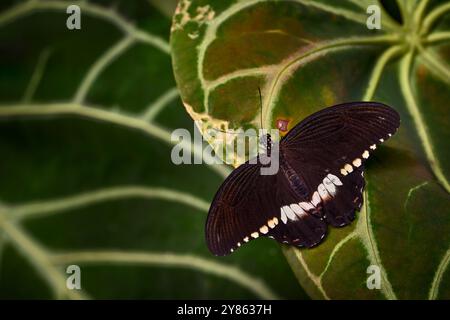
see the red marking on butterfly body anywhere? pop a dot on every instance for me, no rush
(282, 125)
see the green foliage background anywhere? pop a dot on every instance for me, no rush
(85, 170)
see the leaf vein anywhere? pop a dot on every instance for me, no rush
(365, 233)
(438, 276)
(151, 129)
(422, 130)
(197, 263)
(101, 64)
(41, 208)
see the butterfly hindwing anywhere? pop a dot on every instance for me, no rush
(340, 209)
(297, 226)
(332, 195)
(332, 145)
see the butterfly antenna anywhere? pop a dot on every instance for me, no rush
(225, 131)
(260, 105)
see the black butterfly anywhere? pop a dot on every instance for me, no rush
(320, 180)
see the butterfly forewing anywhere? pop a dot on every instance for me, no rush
(320, 180)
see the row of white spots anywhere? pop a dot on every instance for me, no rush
(357, 162)
(325, 191)
(348, 168)
(271, 223)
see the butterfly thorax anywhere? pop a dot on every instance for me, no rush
(296, 182)
(266, 141)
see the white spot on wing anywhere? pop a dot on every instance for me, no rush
(357, 162)
(315, 199)
(344, 172)
(264, 229)
(283, 216)
(289, 213)
(348, 168)
(334, 179)
(275, 220)
(365, 154)
(323, 192)
(255, 235)
(297, 210)
(331, 188)
(373, 147)
(306, 206)
(271, 223)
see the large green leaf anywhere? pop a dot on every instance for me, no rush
(85, 173)
(309, 54)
